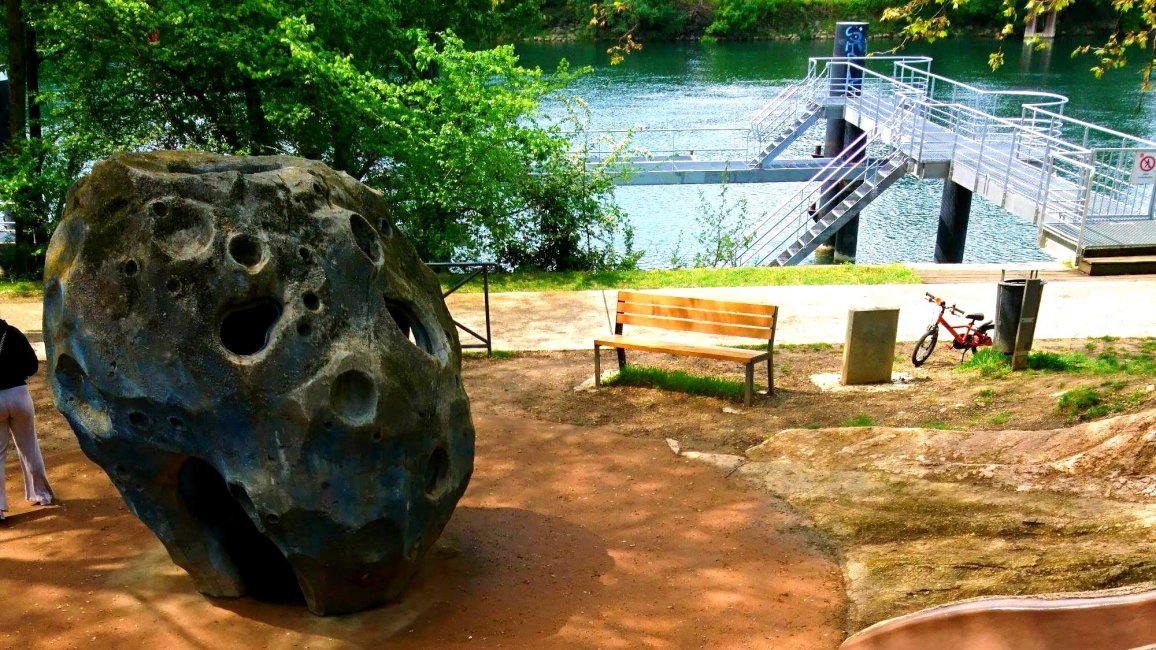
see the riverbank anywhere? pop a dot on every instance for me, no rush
(747, 20)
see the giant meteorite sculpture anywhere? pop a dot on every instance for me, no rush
(265, 369)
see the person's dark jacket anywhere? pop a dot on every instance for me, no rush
(17, 358)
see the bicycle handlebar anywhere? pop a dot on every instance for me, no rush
(940, 302)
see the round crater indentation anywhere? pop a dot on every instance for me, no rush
(311, 301)
(54, 302)
(138, 419)
(353, 397)
(245, 329)
(176, 422)
(437, 472)
(385, 227)
(318, 188)
(366, 238)
(173, 285)
(181, 231)
(130, 268)
(306, 254)
(246, 250)
(304, 328)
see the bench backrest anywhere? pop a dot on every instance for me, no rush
(729, 318)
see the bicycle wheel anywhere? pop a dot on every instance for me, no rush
(925, 346)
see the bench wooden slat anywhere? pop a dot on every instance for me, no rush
(738, 355)
(688, 313)
(696, 303)
(695, 326)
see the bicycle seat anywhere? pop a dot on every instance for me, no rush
(976, 316)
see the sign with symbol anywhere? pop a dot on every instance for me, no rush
(1144, 171)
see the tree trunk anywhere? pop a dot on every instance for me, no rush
(32, 66)
(17, 74)
(260, 137)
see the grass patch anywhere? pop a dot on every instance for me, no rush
(985, 395)
(496, 354)
(21, 289)
(1000, 418)
(689, 278)
(679, 381)
(1110, 361)
(1087, 403)
(988, 363)
(861, 420)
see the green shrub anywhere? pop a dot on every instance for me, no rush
(862, 420)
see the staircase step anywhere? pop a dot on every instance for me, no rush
(1122, 265)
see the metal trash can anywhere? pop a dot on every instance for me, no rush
(1013, 317)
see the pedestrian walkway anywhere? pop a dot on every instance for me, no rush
(1074, 306)
(818, 314)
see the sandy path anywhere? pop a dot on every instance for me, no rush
(567, 538)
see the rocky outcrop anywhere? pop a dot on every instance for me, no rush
(264, 368)
(1111, 457)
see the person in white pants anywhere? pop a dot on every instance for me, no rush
(18, 417)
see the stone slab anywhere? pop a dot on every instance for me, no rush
(869, 348)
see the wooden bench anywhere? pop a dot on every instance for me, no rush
(680, 313)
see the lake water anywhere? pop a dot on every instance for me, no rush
(698, 85)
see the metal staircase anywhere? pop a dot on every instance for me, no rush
(846, 185)
(789, 115)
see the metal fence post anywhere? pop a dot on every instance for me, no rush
(486, 292)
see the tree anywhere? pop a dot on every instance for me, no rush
(1135, 29)
(379, 89)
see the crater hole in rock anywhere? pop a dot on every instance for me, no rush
(245, 330)
(304, 328)
(138, 419)
(246, 250)
(263, 569)
(173, 285)
(305, 254)
(437, 472)
(176, 422)
(69, 376)
(130, 268)
(365, 237)
(312, 302)
(318, 188)
(385, 228)
(160, 208)
(354, 396)
(410, 325)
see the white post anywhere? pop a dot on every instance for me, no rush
(1087, 206)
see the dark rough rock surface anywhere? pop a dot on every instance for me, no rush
(264, 368)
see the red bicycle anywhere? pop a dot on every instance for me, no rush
(964, 337)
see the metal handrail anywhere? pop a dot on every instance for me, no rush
(472, 270)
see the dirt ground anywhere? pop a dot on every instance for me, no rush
(940, 396)
(569, 536)
(915, 525)
(582, 529)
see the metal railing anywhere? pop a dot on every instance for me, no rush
(791, 221)
(469, 271)
(662, 145)
(1059, 169)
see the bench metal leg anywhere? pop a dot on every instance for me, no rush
(621, 358)
(750, 367)
(770, 378)
(597, 366)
